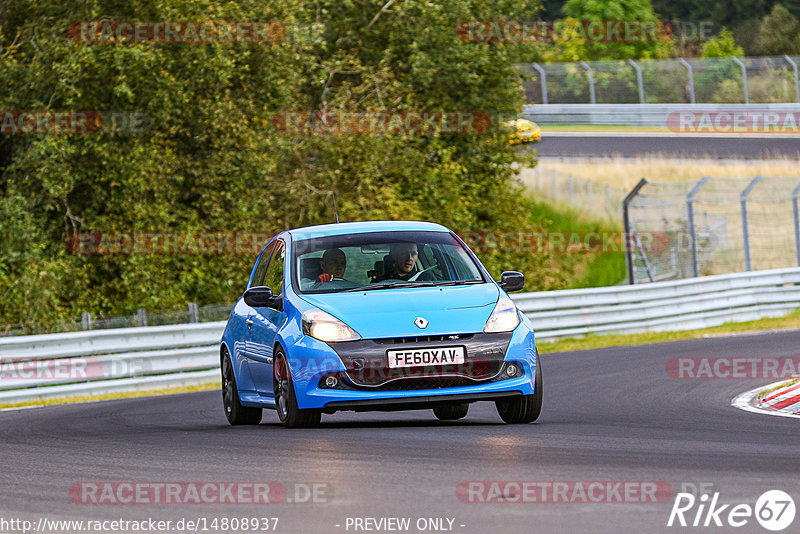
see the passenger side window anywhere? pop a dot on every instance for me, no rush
(261, 266)
(274, 274)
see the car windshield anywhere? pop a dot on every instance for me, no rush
(380, 261)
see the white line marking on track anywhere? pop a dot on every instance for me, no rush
(25, 407)
(744, 401)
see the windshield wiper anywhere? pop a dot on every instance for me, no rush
(388, 285)
(459, 282)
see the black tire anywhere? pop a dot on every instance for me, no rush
(526, 408)
(234, 411)
(285, 400)
(451, 412)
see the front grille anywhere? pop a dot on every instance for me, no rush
(345, 381)
(422, 339)
(367, 363)
(470, 370)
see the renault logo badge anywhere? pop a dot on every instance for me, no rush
(421, 322)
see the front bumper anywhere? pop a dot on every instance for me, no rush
(366, 368)
(311, 360)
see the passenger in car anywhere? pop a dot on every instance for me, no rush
(333, 265)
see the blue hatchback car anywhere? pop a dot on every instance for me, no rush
(389, 315)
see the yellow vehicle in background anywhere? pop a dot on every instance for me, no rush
(523, 131)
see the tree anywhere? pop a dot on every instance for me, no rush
(722, 45)
(636, 46)
(778, 33)
(212, 160)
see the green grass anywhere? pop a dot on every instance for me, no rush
(587, 270)
(592, 341)
(603, 270)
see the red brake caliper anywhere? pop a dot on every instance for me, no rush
(280, 369)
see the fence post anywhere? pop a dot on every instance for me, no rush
(745, 230)
(690, 212)
(796, 84)
(744, 79)
(627, 225)
(194, 313)
(543, 76)
(644, 256)
(691, 78)
(796, 202)
(141, 316)
(86, 321)
(638, 79)
(590, 75)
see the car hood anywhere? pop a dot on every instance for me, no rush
(386, 313)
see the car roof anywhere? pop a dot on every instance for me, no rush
(323, 230)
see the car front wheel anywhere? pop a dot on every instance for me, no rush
(525, 408)
(285, 400)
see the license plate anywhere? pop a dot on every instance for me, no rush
(420, 357)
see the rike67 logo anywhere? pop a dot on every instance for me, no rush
(774, 510)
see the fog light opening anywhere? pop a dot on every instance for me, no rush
(511, 370)
(331, 382)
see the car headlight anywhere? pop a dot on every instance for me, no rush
(504, 317)
(325, 327)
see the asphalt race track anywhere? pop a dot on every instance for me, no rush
(609, 415)
(674, 145)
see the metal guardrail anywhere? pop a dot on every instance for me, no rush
(150, 357)
(663, 306)
(96, 362)
(634, 114)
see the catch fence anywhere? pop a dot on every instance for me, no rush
(730, 80)
(714, 225)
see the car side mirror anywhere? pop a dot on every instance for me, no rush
(512, 280)
(261, 296)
